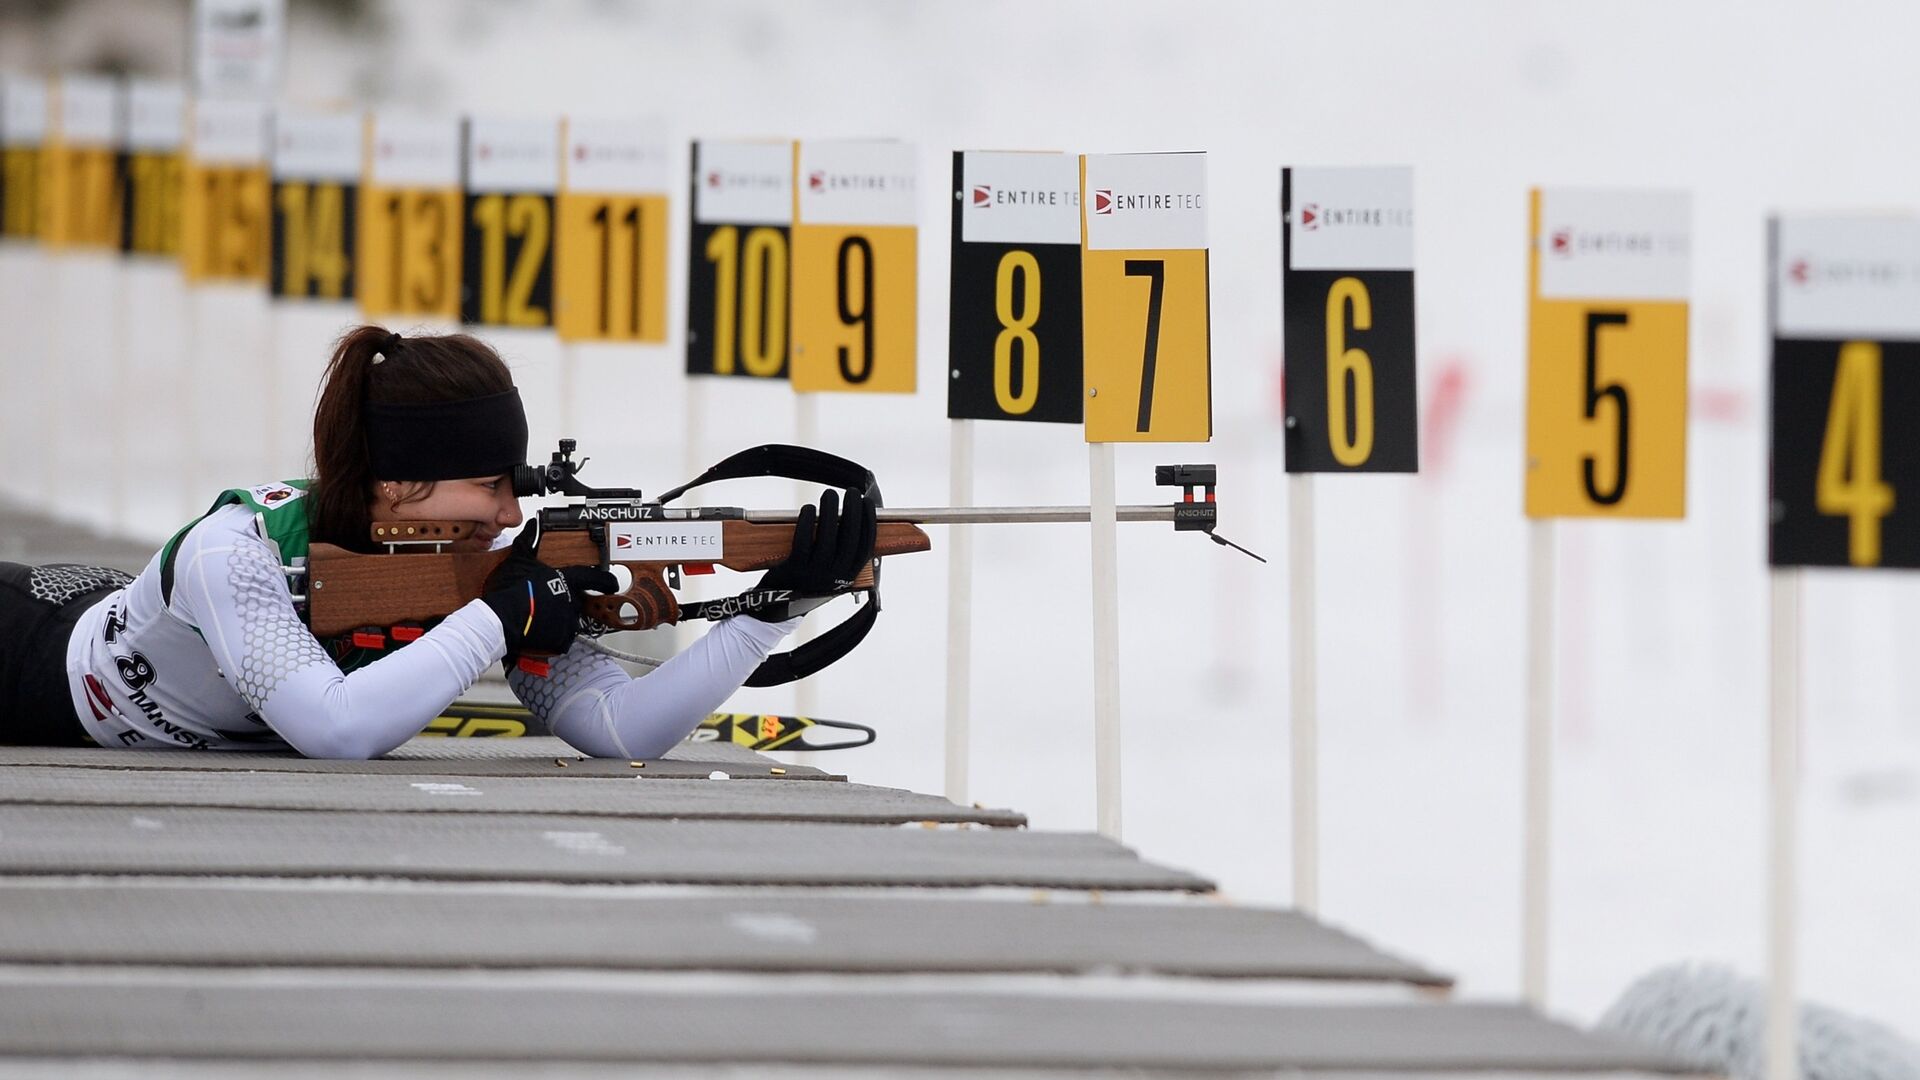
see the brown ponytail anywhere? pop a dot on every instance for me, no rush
(415, 371)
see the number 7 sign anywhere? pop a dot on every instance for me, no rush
(1144, 298)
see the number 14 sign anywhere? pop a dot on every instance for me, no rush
(1607, 354)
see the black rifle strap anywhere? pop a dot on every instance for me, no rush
(809, 466)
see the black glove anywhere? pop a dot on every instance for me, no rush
(830, 547)
(539, 606)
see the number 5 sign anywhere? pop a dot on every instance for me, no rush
(1607, 354)
(1148, 345)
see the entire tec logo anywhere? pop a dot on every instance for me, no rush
(1106, 201)
(824, 182)
(1314, 217)
(720, 179)
(1568, 242)
(1805, 273)
(986, 196)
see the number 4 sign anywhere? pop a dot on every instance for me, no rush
(1144, 297)
(1846, 373)
(1607, 354)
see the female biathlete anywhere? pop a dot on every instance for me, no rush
(206, 648)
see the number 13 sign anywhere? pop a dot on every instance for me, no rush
(1607, 354)
(1148, 345)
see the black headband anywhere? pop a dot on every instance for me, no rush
(448, 440)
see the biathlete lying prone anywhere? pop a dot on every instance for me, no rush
(206, 648)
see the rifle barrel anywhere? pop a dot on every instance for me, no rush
(986, 515)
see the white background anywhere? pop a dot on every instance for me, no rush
(316, 145)
(1659, 274)
(1658, 808)
(896, 203)
(1853, 307)
(752, 204)
(1347, 246)
(1021, 223)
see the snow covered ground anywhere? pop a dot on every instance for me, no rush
(1659, 811)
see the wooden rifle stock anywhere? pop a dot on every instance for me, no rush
(347, 590)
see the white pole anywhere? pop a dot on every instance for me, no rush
(1784, 712)
(1106, 639)
(119, 369)
(693, 447)
(1304, 684)
(1539, 759)
(569, 369)
(959, 612)
(806, 432)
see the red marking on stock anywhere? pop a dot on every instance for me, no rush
(539, 669)
(407, 633)
(369, 639)
(696, 568)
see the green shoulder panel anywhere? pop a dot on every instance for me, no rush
(281, 510)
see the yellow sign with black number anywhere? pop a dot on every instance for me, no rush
(23, 132)
(82, 200)
(1144, 298)
(408, 260)
(855, 267)
(224, 212)
(610, 251)
(1607, 354)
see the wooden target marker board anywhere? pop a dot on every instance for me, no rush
(855, 267)
(1144, 298)
(1014, 319)
(23, 133)
(610, 248)
(512, 172)
(1845, 457)
(1352, 400)
(409, 221)
(82, 197)
(224, 214)
(152, 168)
(739, 263)
(317, 162)
(1607, 354)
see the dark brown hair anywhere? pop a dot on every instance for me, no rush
(416, 371)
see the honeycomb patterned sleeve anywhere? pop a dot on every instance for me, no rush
(229, 586)
(591, 702)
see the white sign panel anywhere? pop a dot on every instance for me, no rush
(665, 541)
(1009, 198)
(229, 132)
(324, 146)
(611, 156)
(1146, 202)
(1847, 277)
(156, 116)
(858, 182)
(1351, 219)
(89, 111)
(412, 151)
(23, 111)
(513, 155)
(743, 183)
(1615, 245)
(237, 46)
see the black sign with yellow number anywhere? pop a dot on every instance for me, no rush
(1844, 478)
(739, 306)
(1347, 321)
(314, 232)
(506, 256)
(1014, 320)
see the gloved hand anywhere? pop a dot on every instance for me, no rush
(538, 605)
(830, 546)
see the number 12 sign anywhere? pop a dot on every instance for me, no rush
(1144, 297)
(1846, 382)
(1607, 354)
(1347, 317)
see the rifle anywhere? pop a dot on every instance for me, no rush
(377, 599)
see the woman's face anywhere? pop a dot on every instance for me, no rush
(487, 501)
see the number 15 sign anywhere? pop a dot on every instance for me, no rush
(1148, 344)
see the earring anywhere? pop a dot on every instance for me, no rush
(388, 490)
